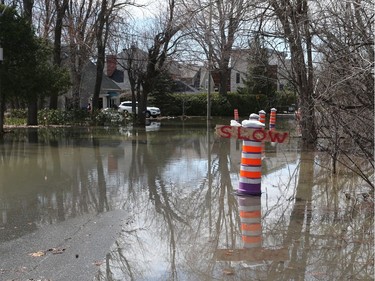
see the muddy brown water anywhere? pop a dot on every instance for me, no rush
(175, 180)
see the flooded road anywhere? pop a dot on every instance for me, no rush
(173, 186)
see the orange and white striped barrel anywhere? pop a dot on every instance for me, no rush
(262, 116)
(251, 161)
(273, 119)
(236, 117)
(250, 216)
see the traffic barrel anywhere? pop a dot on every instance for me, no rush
(262, 116)
(272, 124)
(251, 161)
(236, 117)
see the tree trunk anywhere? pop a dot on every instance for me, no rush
(295, 22)
(2, 108)
(224, 77)
(101, 38)
(57, 43)
(142, 103)
(32, 112)
(28, 10)
(98, 80)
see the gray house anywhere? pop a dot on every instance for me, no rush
(109, 93)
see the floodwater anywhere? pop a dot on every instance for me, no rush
(176, 180)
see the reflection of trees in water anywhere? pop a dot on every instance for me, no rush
(17, 206)
(36, 189)
(102, 203)
(349, 215)
(300, 223)
(177, 228)
(82, 190)
(186, 221)
(326, 229)
(327, 236)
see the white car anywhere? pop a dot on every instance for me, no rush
(126, 107)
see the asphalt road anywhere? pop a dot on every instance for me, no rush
(66, 251)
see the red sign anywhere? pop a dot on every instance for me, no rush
(244, 133)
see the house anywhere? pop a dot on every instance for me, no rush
(116, 66)
(186, 77)
(193, 78)
(189, 78)
(240, 61)
(109, 93)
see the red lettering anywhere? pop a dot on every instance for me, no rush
(277, 137)
(239, 134)
(226, 131)
(259, 135)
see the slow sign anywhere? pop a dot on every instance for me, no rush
(243, 133)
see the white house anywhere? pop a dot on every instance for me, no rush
(239, 64)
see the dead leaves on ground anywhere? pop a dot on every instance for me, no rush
(38, 254)
(57, 251)
(228, 271)
(98, 263)
(54, 251)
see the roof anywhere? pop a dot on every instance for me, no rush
(89, 78)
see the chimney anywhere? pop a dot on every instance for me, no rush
(111, 65)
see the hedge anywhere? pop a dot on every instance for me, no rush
(196, 104)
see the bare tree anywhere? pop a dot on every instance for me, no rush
(49, 21)
(163, 44)
(217, 26)
(32, 103)
(80, 37)
(108, 13)
(134, 62)
(101, 34)
(44, 18)
(294, 21)
(61, 7)
(345, 89)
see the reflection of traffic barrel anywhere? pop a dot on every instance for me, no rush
(250, 215)
(251, 161)
(273, 118)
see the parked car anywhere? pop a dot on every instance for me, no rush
(126, 107)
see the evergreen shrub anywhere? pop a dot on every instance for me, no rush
(196, 104)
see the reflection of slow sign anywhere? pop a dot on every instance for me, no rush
(243, 133)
